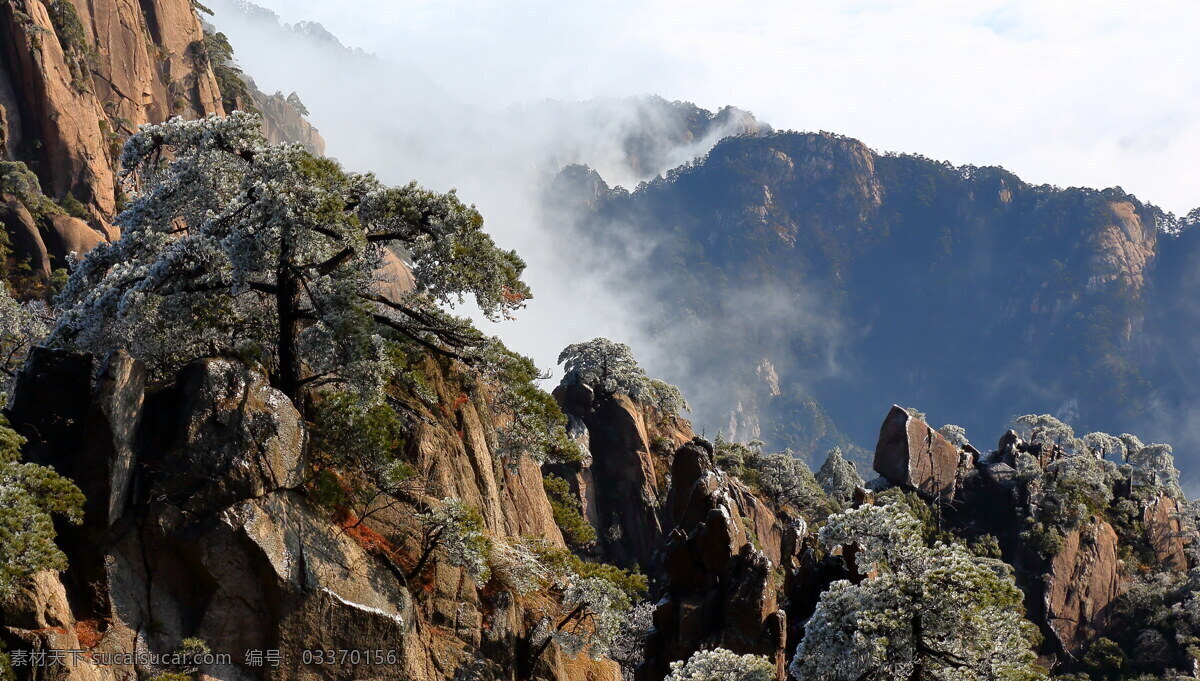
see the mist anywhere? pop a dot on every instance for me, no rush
(382, 114)
(495, 99)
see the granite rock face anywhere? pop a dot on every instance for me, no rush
(625, 480)
(1084, 579)
(914, 456)
(719, 588)
(198, 525)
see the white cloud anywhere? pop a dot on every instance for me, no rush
(1067, 92)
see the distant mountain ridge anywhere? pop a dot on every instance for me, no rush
(864, 278)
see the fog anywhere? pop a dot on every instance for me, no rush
(493, 98)
(386, 114)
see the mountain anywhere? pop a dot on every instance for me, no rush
(76, 79)
(416, 509)
(851, 279)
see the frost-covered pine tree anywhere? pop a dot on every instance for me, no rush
(610, 368)
(1154, 465)
(720, 664)
(955, 435)
(232, 243)
(1045, 429)
(927, 613)
(629, 646)
(457, 529)
(838, 477)
(22, 325)
(29, 496)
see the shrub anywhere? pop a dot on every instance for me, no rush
(568, 513)
(720, 664)
(29, 496)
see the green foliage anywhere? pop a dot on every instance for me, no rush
(29, 496)
(780, 477)
(838, 477)
(1074, 486)
(215, 51)
(74, 207)
(985, 546)
(1046, 540)
(532, 422)
(18, 180)
(561, 561)
(458, 529)
(6, 670)
(1105, 660)
(568, 513)
(928, 515)
(73, 39)
(364, 439)
(345, 428)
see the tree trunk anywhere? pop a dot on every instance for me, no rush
(918, 672)
(287, 305)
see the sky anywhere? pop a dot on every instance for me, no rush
(1096, 93)
(454, 95)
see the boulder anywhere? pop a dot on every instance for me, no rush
(67, 235)
(24, 235)
(283, 122)
(1083, 580)
(226, 435)
(1164, 532)
(1010, 444)
(38, 616)
(1000, 475)
(914, 456)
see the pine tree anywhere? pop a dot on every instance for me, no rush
(922, 613)
(233, 243)
(29, 496)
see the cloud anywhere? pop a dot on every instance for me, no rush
(454, 95)
(1098, 96)
(399, 115)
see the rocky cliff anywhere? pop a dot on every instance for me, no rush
(201, 525)
(206, 521)
(76, 79)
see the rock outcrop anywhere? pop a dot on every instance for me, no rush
(59, 132)
(914, 456)
(24, 236)
(1083, 580)
(719, 587)
(1164, 532)
(626, 473)
(198, 525)
(77, 78)
(284, 121)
